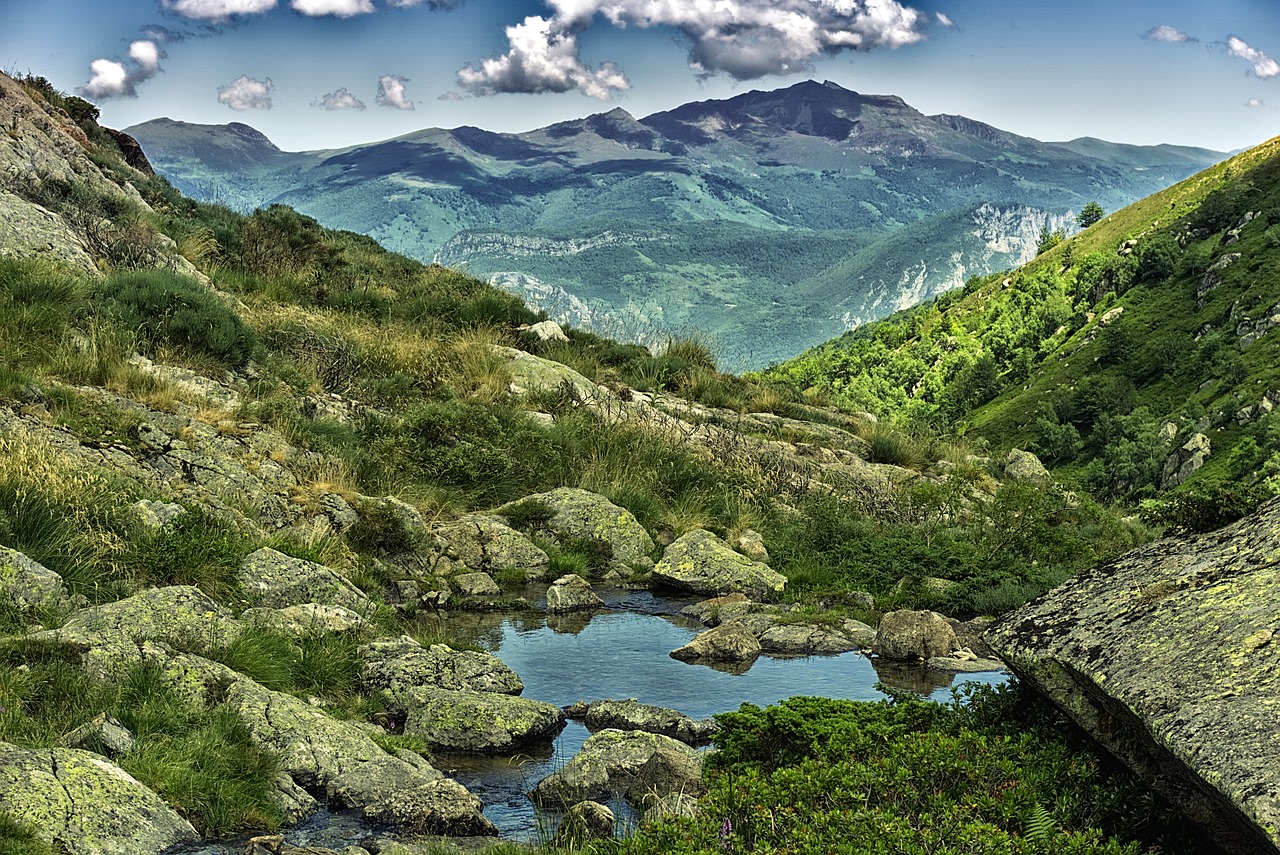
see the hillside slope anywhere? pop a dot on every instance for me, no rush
(1137, 356)
(809, 166)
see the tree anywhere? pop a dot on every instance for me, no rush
(1049, 239)
(1089, 215)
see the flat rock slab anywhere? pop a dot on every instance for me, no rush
(633, 715)
(477, 722)
(396, 665)
(271, 578)
(86, 805)
(1169, 657)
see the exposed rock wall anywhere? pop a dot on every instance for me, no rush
(1168, 656)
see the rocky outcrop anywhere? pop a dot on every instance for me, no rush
(271, 578)
(26, 583)
(102, 734)
(475, 722)
(914, 635)
(85, 805)
(728, 642)
(486, 544)
(1025, 468)
(783, 632)
(607, 764)
(570, 594)
(579, 516)
(1169, 657)
(400, 664)
(633, 715)
(702, 563)
(305, 619)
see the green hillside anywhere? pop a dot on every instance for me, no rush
(1108, 353)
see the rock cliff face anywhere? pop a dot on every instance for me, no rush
(1168, 656)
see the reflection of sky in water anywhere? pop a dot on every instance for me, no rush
(618, 655)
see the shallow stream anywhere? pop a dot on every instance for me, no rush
(617, 654)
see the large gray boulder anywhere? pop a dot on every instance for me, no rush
(910, 634)
(700, 562)
(112, 636)
(580, 515)
(26, 583)
(398, 664)
(728, 642)
(475, 722)
(85, 805)
(442, 806)
(271, 578)
(633, 715)
(487, 544)
(571, 593)
(1169, 657)
(607, 763)
(1025, 468)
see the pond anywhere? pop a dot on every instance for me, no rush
(620, 653)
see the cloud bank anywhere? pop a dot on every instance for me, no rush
(391, 92)
(1263, 65)
(1165, 33)
(111, 79)
(341, 99)
(217, 11)
(246, 93)
(337, 8)
(745, 39)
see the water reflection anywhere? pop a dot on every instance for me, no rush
(911, 676)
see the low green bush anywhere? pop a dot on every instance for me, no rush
(193, 549)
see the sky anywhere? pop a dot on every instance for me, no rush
(315, 74)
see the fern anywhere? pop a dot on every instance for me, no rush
(1041, 826)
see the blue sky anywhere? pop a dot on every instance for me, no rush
(327, 73)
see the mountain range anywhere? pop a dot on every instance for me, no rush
(759, 219)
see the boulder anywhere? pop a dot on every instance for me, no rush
(914, 635)
(1169, 657)
(1186, 461)
(571, 593)
(442, 806)
(606, 764)
(579, 515)
(83, 804)
(26, 583)
(716, 610)
(154, 515)
(112, 636)
(728, 642)
(633, 715)
(487, 544)
(273, 579)
(548, 331)
(1025, 468)
(476, 585)
(399, 664)
(475, 722)
(584, 821)
(702, 563)
(664, 773)
(803, 639)
(751, 544)
(304, 619)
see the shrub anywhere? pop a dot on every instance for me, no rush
(193, 549)
(169, 309)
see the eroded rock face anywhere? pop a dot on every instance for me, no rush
(608, 763)
(1169, 657)
(700, 562)
(86, 805)
(910, 634)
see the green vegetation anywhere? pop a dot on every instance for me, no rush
(1089, 214)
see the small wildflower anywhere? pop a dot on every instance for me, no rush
(726, 832)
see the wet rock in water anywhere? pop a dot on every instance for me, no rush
(26, 583)
(476, 585)
(910, 634)
(294, 803)
(633, 715)
(664, 773)
(396, 665)
(442, 806)
(728, 642)
(700, 562)
(102, 734)
(970, 664)
(571, 593)
(1169, 657)
(273, 579)
(475, 722)
(607, 764)
(584, 821)
(579, 516)
(84, 804)
(802, 639)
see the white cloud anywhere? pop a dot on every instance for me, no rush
(945, 20)
(431, 4)
(217, 10)
(1254, 102)
(246, 93)
(1165, 33)
(449, 96)
(743, 38)
(341, 99)
(391, 92)
(1263, 65)
(337, 8)
(111, 79)
(543, 57)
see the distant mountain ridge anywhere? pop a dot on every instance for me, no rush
(789, 165)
